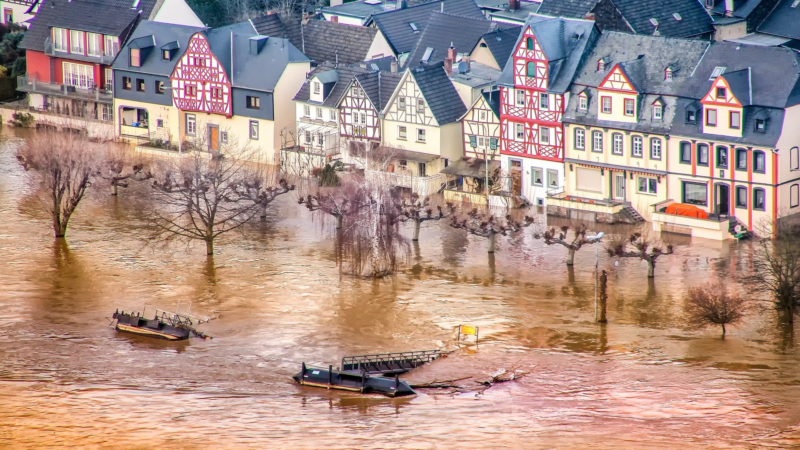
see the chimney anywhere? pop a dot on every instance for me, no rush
(393, 66)
(401, 4)
(728, 8)
(269, 13)
(448, 66)
(256, 44)
(451, 53)
(513, 5)
(336, 2)
(589, 15)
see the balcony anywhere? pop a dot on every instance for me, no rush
(32, 85)
(715, 226)
(561, 204)
(50, 50)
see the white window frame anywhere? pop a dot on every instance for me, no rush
(306, 111)
(520, 97)
(421, 136)
(420, 106)
(534, 171)
(191, 125)
(580, 139)
(655, 148)
(583, 103)
(552, 178)
(794, 158)
(333, 115)
(77, 43)
(544, 101)
(254, 130)
(650, 182)
(637, 146)
(617, 146)
(78, 75)
(94, 44)
(658, 112)
(110, 46)
(632, 103)
(519, 131)
(402, 133)
(60, 39)
(319, 112)
(317, 87)
(401, 103)
(597, 141)
(544, 135)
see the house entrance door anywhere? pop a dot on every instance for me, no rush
(723, 199)
(213, 138)
(516, 177)
(619, 186)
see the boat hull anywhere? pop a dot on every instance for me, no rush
(150, 328)
(352, 381)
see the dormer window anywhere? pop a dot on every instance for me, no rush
(317, 88)
(721, 93)
(761, 125)
(76, 39)
(717, 72)
(583, 102)
(658, 112)
(60, 39)
(601, 65)
(691, 116)
(709, 4)
(668, 74)
(136, 60)
(165, 55)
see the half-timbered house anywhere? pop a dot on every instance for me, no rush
(533, 93)
(361, 106)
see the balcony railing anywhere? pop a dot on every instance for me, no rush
(50, 50)
(30, 84)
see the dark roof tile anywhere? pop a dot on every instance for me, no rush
(439, 92)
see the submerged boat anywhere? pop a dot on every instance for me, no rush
(352, 381)
(163, 324)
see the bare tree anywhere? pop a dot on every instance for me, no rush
(488, 225)
(714, 305)
(776, 266)
(418, 211)
(197, 197)
(343, 201)
(639, 246)
(65, 164)
(559, 236)
(121, 164)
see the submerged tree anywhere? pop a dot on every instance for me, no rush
(488, 225)
(65, 164)
(714, 305)
(197, 197)
(418, 211)
(638, 246)
(559, 236)
(776, 266)
(340, 202)
(121, 164)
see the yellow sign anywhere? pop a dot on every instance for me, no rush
(469, 330)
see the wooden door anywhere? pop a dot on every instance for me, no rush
(619, 186)
(214, 138)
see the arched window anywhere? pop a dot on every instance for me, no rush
(722, 157)
(759, 162)
(531, 69)
(794, 159)
(636, 146)
(741, 159)
(794, 195)
(759, 199)
(702, 155)
(655, 148)
(685, 152)
(741, 197)
(529, 43)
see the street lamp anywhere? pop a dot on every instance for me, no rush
(595, 240)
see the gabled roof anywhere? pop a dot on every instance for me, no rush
(783, 20)
(694, 20)
(563, 41)
(492, 99)
(644, 120)
(775, 72)
(111, 17)
(500, 43)
(440, 94)
(163, 34)
(647, 72)
(269, 25)
(741, 86)
(363, 10)
(396, 26)
(774, 118)
(576, 9)
(442, 30)
(379, 87)
(344, 76)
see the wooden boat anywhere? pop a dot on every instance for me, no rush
(163, 324)
(352, 381)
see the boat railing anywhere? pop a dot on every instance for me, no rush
(389, 362)
(173, 318)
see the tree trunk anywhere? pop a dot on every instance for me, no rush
(339, 220)
(209, 247)
(264, 213)
(492, 241)
(651, 268)
(376, 246)
(60, 228)
(571, 256)
(416, 230)
(723, 331)
(114, 188)
(603, 299)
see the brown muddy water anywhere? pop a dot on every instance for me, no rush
(68, 380)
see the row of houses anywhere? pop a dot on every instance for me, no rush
(693, 135)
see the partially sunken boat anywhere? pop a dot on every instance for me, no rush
(352, 381)
(163, 324)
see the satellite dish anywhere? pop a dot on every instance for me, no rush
(463, 67)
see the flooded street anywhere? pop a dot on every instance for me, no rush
(644, 380)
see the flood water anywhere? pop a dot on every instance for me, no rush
(69, 380)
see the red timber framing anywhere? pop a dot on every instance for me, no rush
(530, 82)
(358, 118)
(199, 82)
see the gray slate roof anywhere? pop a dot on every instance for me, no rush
(774, 121)
(741, 8)
(520, 15)
(112, 17)
(442, 30)
(576, 9)
(775, 72)
(269, 25)
(694, 20)
(345, 75)
(782, 21)
(564, 43)
(492, 99)
(395, 25)
(164, 35)
(644, 124)
(363, 10)
(440, 94)
(647, 73)
(500, 43)
(379, 87)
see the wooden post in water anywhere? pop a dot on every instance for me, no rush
(330, 375)
(601, 316)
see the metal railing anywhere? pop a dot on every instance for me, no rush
(389, 362)
(50, 50)
(92, 92)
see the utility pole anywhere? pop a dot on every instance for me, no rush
(596, 241)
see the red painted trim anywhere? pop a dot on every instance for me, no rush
(611, 104)
(616, 90)
(774, 187)
(705, 118)
(694, 158)
(622, 73)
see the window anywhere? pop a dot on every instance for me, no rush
(318, 110)
(403, 164)
(60, 39)
(165, 55)
(711, 117)
(306, 111)
(636, 146)
(536, 176)
(794, 158)
(691, 116)
(420, 135)
(333, 115)
(482, 116)
(401, 103)
(363, 118)
(722, 157)
(111, 46)
(320, 138)
(544, 101)
(668, 74)
(606, 105)
(580, 139)
(590, 180)
(520, 97)
(695, 193)
(759, 199)
(735, 120)
(544, 135)
(94, 43)
(721, 93)
(685, 153)
(741, 197)
(597, 141)
(160, 123)
(254, 130)
(191, 125)
(529, 43)
(78, 75)
(317, 87)
(741, 159)
(140, 85)
(253, 102)
(658, 112)
(223, 137)
(401, 133)
(530, 69)
(655, 148)
(628, 106)
(552, 178)
(420, 106)
(761, 125)
(136, 61)
(702, 155)
(794, 195)
(520, 131)
(601, 65)
(159, 87)
(126, 83)
(616, 144)
(76, 42)
(648, 185)
(216, 93)
(308, 138)
(583, 102)
(191, 91)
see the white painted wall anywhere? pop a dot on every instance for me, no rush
(177, 12)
